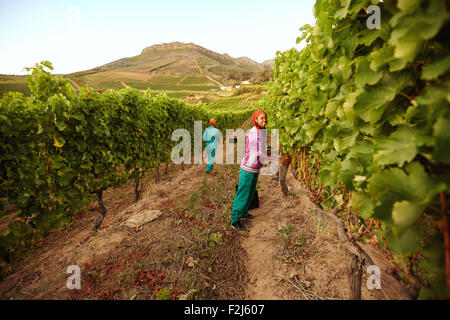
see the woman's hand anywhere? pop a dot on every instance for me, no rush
(268, 157)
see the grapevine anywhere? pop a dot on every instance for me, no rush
(371, 108)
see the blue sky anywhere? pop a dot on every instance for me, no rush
(79, 34)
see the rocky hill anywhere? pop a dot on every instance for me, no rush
(176, 63)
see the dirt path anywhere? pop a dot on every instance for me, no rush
(264, 269)
(213, 80)
(203, 72)
(294, 251)
(181, 80)
(275, 268)
(77, 87)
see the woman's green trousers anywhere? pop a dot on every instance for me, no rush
(244, 195)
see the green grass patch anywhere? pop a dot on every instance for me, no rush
(6, 87)
(155, 86)
(164, 79)
(178, 95)
(233, 103)
(195, 80)
(12, 78)
(109, 85)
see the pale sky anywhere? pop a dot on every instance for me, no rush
(81, 34)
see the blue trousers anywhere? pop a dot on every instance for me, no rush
(211, 151)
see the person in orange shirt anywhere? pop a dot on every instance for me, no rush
(210, 136)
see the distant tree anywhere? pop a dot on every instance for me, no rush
(263, 76)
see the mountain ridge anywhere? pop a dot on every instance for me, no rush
(176, 59)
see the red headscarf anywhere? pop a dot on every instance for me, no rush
(212, 122)
(255, 115)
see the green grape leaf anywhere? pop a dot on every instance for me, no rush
(350, 168)
(414, 185)
(371, 104)
(380, 57)
(441, 134)
(436, 69)
(408, 5)
(405, 242)
(363, 204)
(405, 213)
(364, 74)
(398, 148)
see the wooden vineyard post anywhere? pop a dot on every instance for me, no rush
(101, 208)
(138, 186)
(355, 277)
(444, 209)
(295, 169)
(157, 174)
